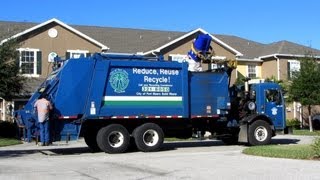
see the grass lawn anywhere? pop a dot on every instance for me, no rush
(306, 132)
(8, 141)
(282, 151)
(296, 151)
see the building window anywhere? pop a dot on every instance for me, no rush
(252, 71)
(30, 61)
(77, 54)
(293, 67)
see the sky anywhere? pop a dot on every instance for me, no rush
(263, 21)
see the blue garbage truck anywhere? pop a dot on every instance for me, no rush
(118, 100)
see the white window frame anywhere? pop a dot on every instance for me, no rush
(35, 51)
(255, 67)
(72, 52)
(295, 69)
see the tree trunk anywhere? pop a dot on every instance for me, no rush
(310, 120)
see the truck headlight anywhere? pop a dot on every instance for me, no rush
(251, 106)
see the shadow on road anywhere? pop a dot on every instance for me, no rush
(16, 153)
(189, 144)
(167, 146)
(285, 141)
(47, 151)
(54, 151)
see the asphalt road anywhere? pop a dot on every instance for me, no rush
(176, 160)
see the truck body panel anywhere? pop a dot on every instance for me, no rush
(209, 93)
(72, 90)
(117, 88)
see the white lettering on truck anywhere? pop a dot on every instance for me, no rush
(169, 72)
(144, 71)
(156, 80)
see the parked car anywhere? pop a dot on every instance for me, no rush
(316, 122)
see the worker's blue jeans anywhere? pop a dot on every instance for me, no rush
(44, 132)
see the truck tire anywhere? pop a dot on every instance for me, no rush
(259, 133)
(148, 137)
(90, 138)
(113, 138)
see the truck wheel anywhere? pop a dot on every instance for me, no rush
(90, 138)
(148, 137)
(259, 133)
(113, 138)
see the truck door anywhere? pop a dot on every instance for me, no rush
(274, 107)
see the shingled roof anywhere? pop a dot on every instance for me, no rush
(8, 29)
(286, 47)
(252, 49)
(125, 40)
(249, 49)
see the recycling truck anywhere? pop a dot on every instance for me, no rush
(118, 100)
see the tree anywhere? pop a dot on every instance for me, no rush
(11, 82)
(305, 87)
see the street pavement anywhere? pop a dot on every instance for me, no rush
(209, 159)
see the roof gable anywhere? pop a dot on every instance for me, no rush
(237, 53)
(103, 47)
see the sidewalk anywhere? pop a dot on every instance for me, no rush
(55, 145)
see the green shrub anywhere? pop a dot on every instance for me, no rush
(316, 147)
(7, 129)
(295, 123)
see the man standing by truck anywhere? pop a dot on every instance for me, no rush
(43, 107)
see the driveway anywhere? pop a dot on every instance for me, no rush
(177, 160)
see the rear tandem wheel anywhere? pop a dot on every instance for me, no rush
(113, 138)
(148, 137)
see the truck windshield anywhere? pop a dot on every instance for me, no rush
(273, 95)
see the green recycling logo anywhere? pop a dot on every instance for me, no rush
(119, 80)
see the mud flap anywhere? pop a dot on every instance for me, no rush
(243, 134)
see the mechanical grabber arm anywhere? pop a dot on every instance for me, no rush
(202, 52)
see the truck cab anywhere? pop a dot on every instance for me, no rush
(259, 109)
(270, 102)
